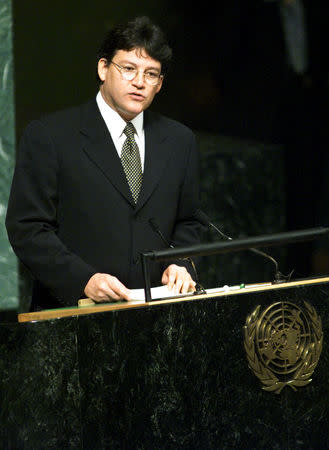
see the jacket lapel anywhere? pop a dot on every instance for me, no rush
(98, 145)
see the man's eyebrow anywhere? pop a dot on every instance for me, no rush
(126, 61)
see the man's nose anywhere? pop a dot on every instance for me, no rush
(139, 79)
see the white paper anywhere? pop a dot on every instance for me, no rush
(156, 293)
(164, 292)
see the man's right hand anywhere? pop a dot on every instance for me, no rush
(103, 287)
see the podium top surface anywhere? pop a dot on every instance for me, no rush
(91, 308)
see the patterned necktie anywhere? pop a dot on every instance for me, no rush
(131, 161)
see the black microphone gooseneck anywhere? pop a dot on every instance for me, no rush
(205, 220)
(155, 227)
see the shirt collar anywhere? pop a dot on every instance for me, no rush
(114, 122)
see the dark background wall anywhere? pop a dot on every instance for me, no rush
(230, 78)
(230, 72)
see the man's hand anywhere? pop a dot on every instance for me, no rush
(178, 279)
(102, 287)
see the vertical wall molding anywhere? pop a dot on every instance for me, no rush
(8, 263)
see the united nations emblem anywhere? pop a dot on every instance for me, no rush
(283, 345)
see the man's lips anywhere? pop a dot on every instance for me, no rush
(136, 96)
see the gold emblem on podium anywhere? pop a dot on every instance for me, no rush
(283, 344)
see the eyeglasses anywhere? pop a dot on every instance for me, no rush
(129, 73)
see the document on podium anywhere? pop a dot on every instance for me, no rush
(137, 296)
(162, 292)
(156, 293)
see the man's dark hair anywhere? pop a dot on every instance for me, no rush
(137, 33)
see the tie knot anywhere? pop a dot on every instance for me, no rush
(129, 130)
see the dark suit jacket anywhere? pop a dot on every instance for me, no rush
(71, 213)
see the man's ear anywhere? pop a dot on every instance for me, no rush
(102, 68)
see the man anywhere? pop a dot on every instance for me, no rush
(86, 184)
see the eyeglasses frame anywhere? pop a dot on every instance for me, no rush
(121, 68)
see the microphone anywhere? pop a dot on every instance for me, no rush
(155, 227)
(203, 219)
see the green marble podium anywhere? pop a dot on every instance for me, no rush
(162, 375)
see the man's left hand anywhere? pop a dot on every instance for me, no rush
(178, 279)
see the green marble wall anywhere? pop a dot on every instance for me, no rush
(8, 265)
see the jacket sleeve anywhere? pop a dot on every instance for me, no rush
(32, 218)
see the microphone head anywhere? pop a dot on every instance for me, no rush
(202, 217)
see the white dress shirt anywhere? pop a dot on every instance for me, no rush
(116, 124)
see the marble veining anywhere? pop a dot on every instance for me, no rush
(166, 377)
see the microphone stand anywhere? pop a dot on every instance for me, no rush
(225, 247)
(203, 219)
(198, 287)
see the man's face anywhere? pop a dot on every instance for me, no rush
(128, 98)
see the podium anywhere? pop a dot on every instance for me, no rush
(177, 373)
